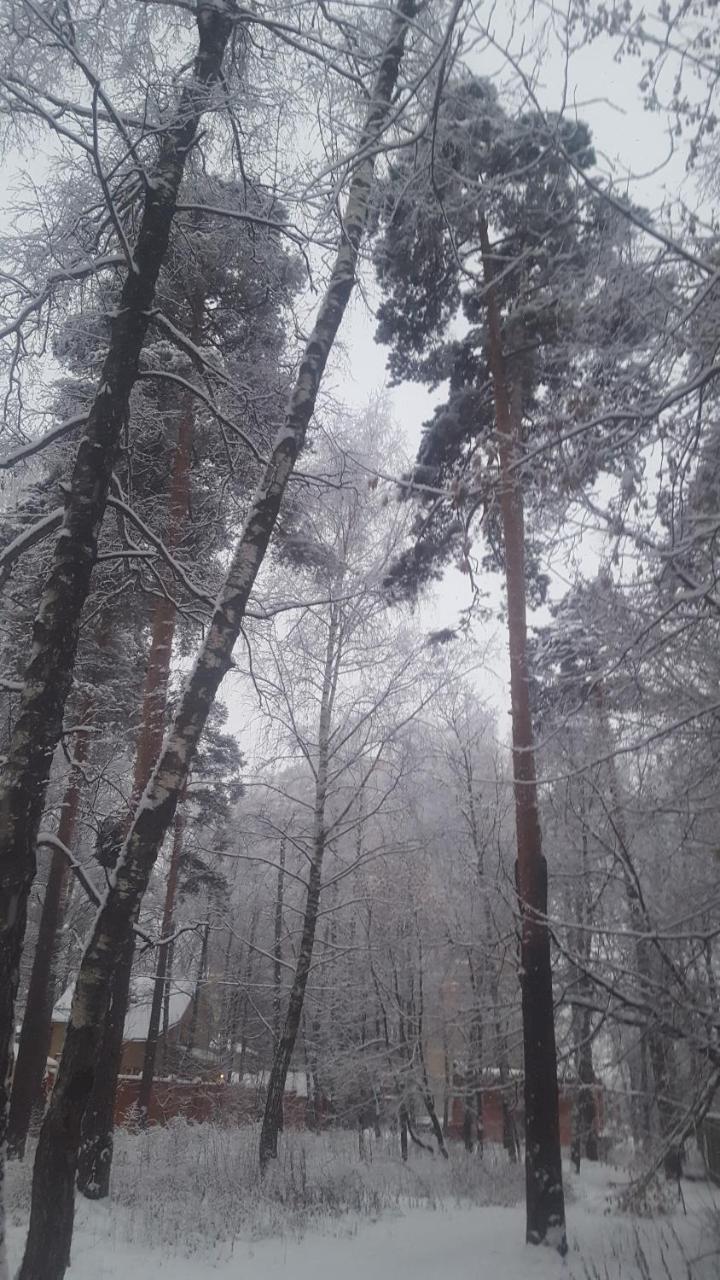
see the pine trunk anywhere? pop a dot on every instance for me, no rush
(545, 1203)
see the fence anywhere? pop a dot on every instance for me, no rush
(201, 1102)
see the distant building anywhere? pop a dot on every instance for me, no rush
(183, 1047)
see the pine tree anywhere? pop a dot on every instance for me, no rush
(489, 225)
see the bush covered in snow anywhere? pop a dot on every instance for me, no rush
(201, 1182)
(192, 1187)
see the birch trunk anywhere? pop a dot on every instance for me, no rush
(48, 1249)
(545, 1204)
(48, 676)
(98, 1123)
(161, 976)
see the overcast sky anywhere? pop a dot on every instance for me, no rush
(634, 148)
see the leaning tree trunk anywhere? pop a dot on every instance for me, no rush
(98, 1125)
(95, 1162)
(273, 1114)
(161, 974)
(545, 1203)
(34, 1045)
(51, 1216)
(48, 675)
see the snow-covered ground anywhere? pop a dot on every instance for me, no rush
(428, 1236)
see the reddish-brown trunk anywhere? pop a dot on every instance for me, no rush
(95, 1164)
(34, 1045)
(543, 1163)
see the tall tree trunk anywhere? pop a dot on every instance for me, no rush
(98, 1123)
(51, 1217)
(545, 1201)
(48, 675)
(96, 1160)
(31, 1062)
(272, 1117)
(161, 973)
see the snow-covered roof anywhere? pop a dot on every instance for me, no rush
(137, 1020)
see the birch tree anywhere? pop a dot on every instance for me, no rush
(343, 682)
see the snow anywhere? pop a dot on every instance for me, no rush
(137, 1020)
(187, 1203)
(477, 1243)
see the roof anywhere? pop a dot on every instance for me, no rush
(137, 1019)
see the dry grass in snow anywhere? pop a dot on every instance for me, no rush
(187, 1200)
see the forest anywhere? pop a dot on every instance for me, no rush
(360, 586)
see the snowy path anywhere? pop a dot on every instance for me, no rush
(423, 1244)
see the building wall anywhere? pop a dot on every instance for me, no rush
(170, 1057)
(493, 1118)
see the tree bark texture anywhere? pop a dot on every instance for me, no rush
(98, 1122)
(48, 675)
(48, 1247)
(545, 1205)
(34, 1044)
(151, 1044)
